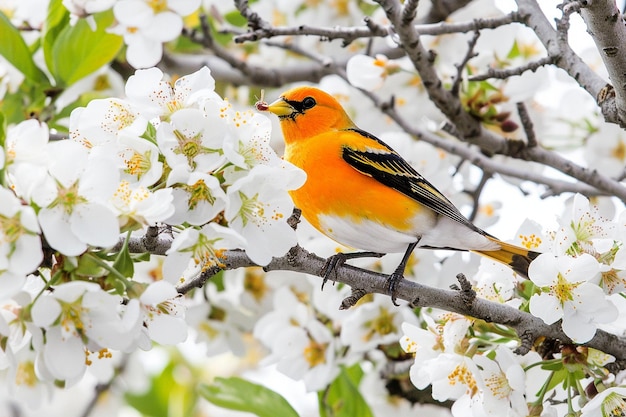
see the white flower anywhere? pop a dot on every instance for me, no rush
(583, 229)
(199, 249)
(610, 402)
(26, 383)
(73, 200)
(158, 98)
(83, 8)
(438, 356)
(375, 323)
(416, 339)
(192, 141)
(369, 73)
(104, 120)
(145, 25)
(502, 384)
(302, 347)
(20, 244)
(140, 159)
(288, 311)
(222, 324)
(495, 282)
(258, 206)
(614, 276)
(606, 150)
(248, 141)
(569, 292)
(74, 314)
(308, 354)
(451, 376)
(26, 156)
(26, 143)
(198, 197)
(137, 206)
(164, 313)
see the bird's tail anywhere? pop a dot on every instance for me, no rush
(516, 257)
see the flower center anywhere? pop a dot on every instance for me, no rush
(314, 353)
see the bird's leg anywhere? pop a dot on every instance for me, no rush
(398, 274)
(339, 259)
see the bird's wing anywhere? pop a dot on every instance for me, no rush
(389, 168)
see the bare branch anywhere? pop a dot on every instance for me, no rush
(566, 59)
(441, 9)
(409, 11)
(527, 124)
(510, 72)
(526, 325)
(605, 23)
(469, 128)
(373, 30)
(460, 67)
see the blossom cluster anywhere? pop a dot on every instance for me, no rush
(577, 280)
(169, 154)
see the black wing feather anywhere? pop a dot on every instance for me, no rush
(395, 172)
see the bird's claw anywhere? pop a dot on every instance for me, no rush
(392, 284)
(338, 259)
(332, 263)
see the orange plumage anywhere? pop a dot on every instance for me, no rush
(363, 194)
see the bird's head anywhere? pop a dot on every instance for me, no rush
(305, 112)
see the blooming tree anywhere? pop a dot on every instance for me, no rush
(151, 259)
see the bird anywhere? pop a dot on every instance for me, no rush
(364, 195)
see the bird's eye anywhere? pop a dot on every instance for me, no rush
(308, 102)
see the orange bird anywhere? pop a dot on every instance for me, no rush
(363, 194)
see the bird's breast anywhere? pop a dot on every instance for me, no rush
(350, 207)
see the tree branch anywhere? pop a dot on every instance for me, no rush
(606, 26)
(510, 72)
(260, 29)
(565, 58)
(468, 127)
(526, 325)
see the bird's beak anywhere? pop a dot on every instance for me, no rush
(281, 108)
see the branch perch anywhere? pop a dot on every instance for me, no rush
(605, 23)
(527, 326)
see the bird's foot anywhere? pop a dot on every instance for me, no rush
(335, 261)
(330, 266)
(392, 285)
(398, 274)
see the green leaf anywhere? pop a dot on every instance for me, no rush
(57, 19)
(168, 394)
(241, 395)
(343, 398)
(78, 50)
(235, 18)
(514, 52)
(150, 133)
(3, 129)
(89, 267)
(557, 378)
(123, 262)
(14, 49)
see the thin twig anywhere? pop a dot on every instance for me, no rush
(476, 194)
(527, 124)
(511, 72)
(351, 33)
(461, 67)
